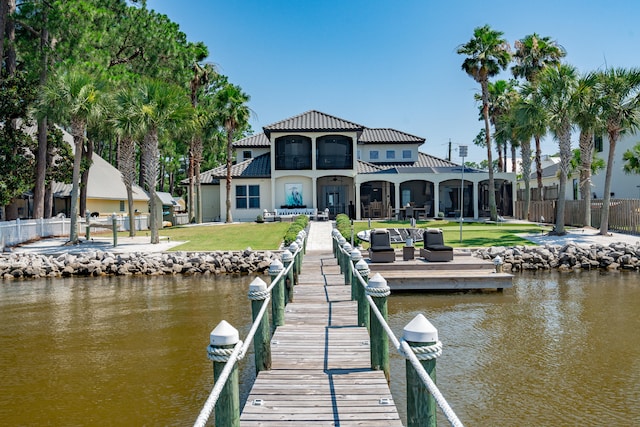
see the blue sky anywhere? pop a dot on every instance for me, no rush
(390, 63)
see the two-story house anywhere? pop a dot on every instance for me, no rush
(316, 160)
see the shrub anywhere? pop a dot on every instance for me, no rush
(343, 224)
(259, 219)
(299, 223)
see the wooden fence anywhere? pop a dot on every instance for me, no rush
(624, 214)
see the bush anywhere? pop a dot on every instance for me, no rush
(260, 219)
(299, 223)
(343, 224)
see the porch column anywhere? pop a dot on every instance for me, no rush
(314, 192)
(436, 198)
(396, 203)
(273, 195)
(357, 198)
(475, 200)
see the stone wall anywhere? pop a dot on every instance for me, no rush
(98, 263)
(615, 256)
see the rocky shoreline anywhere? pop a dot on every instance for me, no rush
(568, 257)
(101, 263)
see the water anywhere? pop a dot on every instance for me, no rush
(554, 350)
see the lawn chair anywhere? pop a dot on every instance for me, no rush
(434, 248)
(381, 249)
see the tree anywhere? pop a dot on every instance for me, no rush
(587, 118)
(487, 54)
(160, 107)
(556, 89)
(631, 160)
(617, 90)
(73, 98)
(233, 113)
(533, 54)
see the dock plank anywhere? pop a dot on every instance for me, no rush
(321, 371)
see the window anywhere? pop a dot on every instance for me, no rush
(406, 154)
(597, 140)
(246, 155)
(247, 196)
(373, 155)
(391, 154)
(121, 205)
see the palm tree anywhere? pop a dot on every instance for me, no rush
(160, 107)
(233, 113)
(533, 117)
(532, 54)
(631, 159)
(556, 89)
(127, 131)
(587, 118)
(72, 98)
(487, 54)
(618, 91)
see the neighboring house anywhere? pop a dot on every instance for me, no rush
(623, 186)
(106, 193)
(315, 160)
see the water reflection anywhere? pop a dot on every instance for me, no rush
(554, 350)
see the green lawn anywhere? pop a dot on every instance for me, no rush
(474, 234)
(227, 236)
(268, 236)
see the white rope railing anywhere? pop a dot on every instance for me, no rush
(239, 350)
(408, 352)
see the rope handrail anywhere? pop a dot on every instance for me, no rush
(405, 350)
(239, 351)
(207, 409)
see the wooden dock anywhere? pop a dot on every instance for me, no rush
(321, 373)
(465, 272)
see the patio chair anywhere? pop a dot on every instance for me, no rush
(434, 248)
(381, 249)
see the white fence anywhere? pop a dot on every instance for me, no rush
(23, 230)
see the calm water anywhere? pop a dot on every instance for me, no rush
(556, 350)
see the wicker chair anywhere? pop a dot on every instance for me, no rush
(434, 248)
(381, 249)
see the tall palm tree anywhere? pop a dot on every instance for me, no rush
(587, 118)
(230, 107)
(618, 91)
(523, 133)
(160, 107)
(72, 98)
(556, 89)
(127, 131)
(487, 54)
(534, 53)
(533, 117)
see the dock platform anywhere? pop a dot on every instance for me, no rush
(321, 371)
(465, 272)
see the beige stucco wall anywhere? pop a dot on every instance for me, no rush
(245, 215)
(108, 207)
(211, 203)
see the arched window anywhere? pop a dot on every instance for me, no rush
(334, 152)
(293, 152)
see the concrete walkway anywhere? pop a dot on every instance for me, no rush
(319, 238)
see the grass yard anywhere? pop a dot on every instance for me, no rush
(474, 234)
(265, 236)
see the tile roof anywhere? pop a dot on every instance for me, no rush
(366, 167)
(259, 140)
(256, 167)
(313, 121)
(388, 136)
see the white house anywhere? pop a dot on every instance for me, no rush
(315, 160)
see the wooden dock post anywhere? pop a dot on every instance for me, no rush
(334, 240)
(422, 337)
(221, 342)
(262, 338)
(114, 225)
(378, 289)
(293, 248)
(346, 253)
(363, 304)
(356, 256)
(287, 259)
(277, 294)
(341, 242)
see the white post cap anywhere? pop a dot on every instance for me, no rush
(293, 247)
(377, 281)
(420, 330)
(223, 334)
(275, 267)
(286, 257)
(257, 285)
(356, 255)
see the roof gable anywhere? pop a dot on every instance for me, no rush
(256, 167)
(313, 121)
(254, 141)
